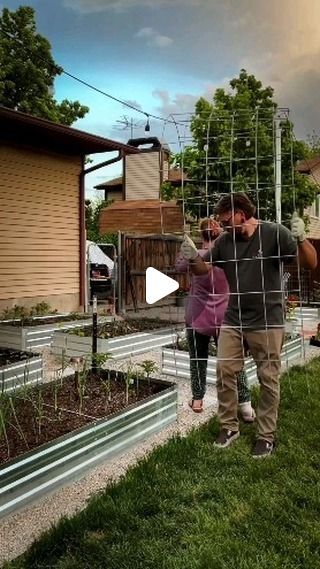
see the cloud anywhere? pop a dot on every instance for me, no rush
(184, 103)
(278, 41)
(90, 6)
(153, 37)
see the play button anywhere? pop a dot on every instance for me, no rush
(158, 285)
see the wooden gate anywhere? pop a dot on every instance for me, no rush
(137, 253)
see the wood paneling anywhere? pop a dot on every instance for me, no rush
(142, 217)
(39, 225)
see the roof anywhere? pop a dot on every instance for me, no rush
(306, 166)
(24, 129)
(114, 182)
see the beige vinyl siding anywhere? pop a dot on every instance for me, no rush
(142, 176)
(39, 227)
(165, 168)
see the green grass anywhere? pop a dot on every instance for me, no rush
(190, 506)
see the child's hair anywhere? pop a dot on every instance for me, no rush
(236, 201)
(207, 234)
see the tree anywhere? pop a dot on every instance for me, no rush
(93, 211)
(313, 145)
(28, 70)
(233, 149)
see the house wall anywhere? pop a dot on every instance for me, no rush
(142, 176)
(314, 209)
(115, 196)
(39, 229)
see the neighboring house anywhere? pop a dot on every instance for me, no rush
(311, 168)
(42, 209)
(113, 190)
(137, 205)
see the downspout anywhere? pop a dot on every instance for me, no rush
(83, 239)
(83, 281)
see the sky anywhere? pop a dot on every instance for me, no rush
(162, 55)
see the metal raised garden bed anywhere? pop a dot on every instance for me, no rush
(176, 362)
(32, 337)
(39, 472)
(119, 347)
(18, 374)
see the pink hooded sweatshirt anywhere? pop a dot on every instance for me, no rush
(208, 298)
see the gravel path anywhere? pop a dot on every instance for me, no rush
(19, 530)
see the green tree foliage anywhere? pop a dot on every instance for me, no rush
(93, 210)
(234, 147)
(28, 70)
(313, 145)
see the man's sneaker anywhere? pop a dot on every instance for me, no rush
(226, 438)
(262, 448)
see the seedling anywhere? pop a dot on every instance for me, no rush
(149, 367)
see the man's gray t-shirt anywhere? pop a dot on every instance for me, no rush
(254, 272)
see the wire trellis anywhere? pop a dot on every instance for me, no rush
(259, 150)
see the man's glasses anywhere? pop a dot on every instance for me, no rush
(226, 222)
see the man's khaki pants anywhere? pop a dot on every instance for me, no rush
(265, 348)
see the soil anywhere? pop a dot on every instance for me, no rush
(8, 356)
(35, 420)
(122, 327)
(47, 320)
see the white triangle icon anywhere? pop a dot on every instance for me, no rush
(158, 285)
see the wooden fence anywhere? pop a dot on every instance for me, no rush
(137, 253)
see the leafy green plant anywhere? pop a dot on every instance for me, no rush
(149, 367)
(15, 313)
(24, 314)
(41, 309)
(99, 359)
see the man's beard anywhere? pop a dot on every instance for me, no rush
(238, 233)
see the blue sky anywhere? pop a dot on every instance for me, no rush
(162, 55)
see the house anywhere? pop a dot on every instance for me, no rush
(137, 206)
(42, 233)
(311, 168)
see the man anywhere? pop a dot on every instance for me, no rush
(251, 252)
(206, 306)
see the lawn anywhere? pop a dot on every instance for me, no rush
(191, 506)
